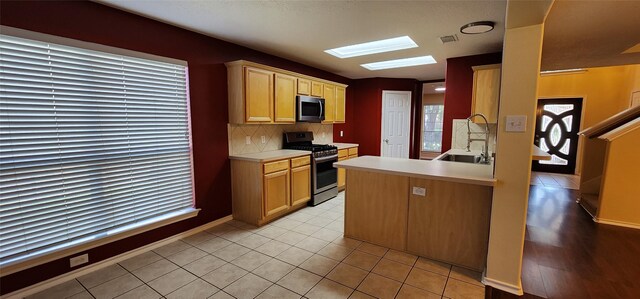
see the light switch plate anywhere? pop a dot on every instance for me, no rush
(516, 123)
(247, 139)
(341, 133)
(419, 191)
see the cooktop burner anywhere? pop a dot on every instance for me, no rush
(303, 141)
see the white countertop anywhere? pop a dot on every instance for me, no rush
(477, 174)
(345, 145)
(270, 155)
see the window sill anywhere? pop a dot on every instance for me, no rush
(51, 254)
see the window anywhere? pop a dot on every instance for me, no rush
(432, 128)
(92, 144)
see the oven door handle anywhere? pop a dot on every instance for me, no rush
(325, 159)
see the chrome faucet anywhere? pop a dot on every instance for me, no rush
(485, 154)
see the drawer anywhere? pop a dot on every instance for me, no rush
(296, 162)
(343, 153)
(275, 166)
(353, 151)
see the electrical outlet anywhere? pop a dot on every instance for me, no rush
(78, 260)
(264, 139)
(341, 133)
(324, 135)
(247, 139)
(419, 191)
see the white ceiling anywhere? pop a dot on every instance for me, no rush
(302, 30)
(582, 34)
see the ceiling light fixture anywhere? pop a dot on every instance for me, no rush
(404, 62)
(380, 46)
(440, 89)
(477, 27)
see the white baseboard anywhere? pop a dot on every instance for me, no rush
(507, 287)
(41, 286)
(617, 223)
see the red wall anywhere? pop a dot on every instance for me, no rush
(97, 23)
(459, 84)
(364, 112)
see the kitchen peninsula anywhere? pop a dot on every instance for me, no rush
(436, 209)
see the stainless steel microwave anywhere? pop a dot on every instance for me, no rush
(309, 109)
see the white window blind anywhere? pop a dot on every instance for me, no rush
(90, 143)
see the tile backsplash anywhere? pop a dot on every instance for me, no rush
(459, 136)
(272, 135)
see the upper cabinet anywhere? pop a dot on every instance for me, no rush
(304, 86)
(329, 103)
(316, 89)
(340, 104)
(486, 91)
(260, 94)
(285, 108)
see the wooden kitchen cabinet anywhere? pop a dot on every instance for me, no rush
(329, 103)
(304, 86)
(340, 104)
(260, 94)
(316, 89)
(276, 192)
(486, 91)
(300, 184)
(285, 98)
(345, 154)
(450, 223)
(262, 192)
(258, 91)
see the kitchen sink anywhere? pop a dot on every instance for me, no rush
(461, 158)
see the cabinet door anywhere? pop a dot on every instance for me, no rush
(486, 92)
(450, 223)
(285, 101)
(276, 192)
(258, 91)
(342, 175)
(316, 89)
(329, 103)
(340, 104)
(300, 184)
(304, 86)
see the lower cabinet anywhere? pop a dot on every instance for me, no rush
(300, 185)
(344, 154)
(276, 192)
(440, 220)
(450, 222)
(262, 192)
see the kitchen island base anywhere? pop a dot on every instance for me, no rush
(436, 219)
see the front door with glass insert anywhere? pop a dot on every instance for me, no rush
(557, 126)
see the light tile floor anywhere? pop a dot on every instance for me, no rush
(300, 255)
(557, 180)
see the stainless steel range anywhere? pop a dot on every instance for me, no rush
(324, 178)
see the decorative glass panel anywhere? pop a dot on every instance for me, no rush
(568, 121)
(556, 132)
(558, 109)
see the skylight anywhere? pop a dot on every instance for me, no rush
(380, 46)
(404, 62)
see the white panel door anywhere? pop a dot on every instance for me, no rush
(396, 123)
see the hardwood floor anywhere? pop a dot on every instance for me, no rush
(567, 255)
